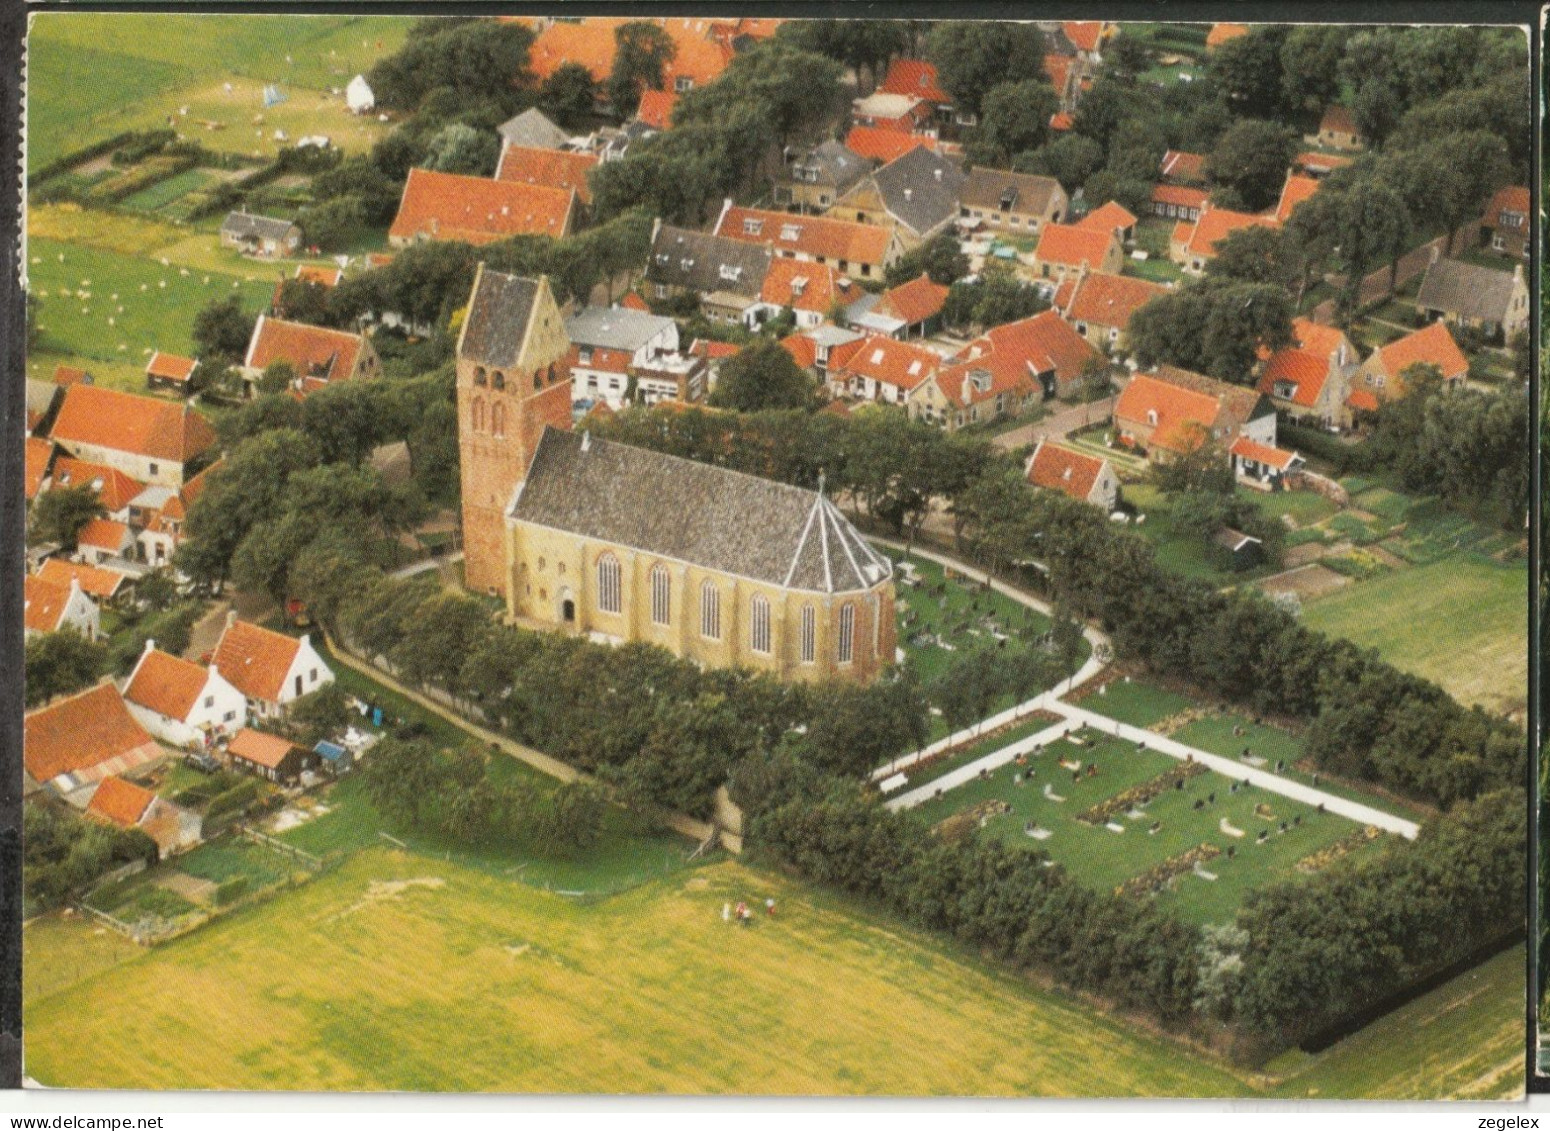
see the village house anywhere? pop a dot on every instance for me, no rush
(910, 310)
(1296, 190)
(884, 370)
(1065, 74)
(551, 168)
(823, 349)
(47, 607)
(1193, 245)
(1112, 217)
(101, 585)
(1179, 202)
(1011, 202)
(37, 466)
(655, 109)
(903, 113)
(726, 274)
(260, 236)
(479, 210)
(625, 544)
(270, 669)
(318, 356)
(1318, 165)
(1100, 307)
(1478, 298)
(67, 375)
(1262, 465)
(872, 143)
(532, 129)
(310, 274)
(1067, 250)
(613, 350)
(115, 490)
(1310, 380)
(916, 195)
(700, 50)
(809, 290)
(816, 176)
(71, 744)
(916, 78)
(1224, 33)
(1169, 412)
(1338, 130)
(1085, 478)
(860, 250)
(171, 372)
(181, 703)
(1179, 167)
(1381, 376)
(1006, 371)
(713, 353)
(148, 439)
(1504, 227)
(126, 805)
(104, 541)
(268, 756)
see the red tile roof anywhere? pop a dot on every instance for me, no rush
(1180, 165)
(1184, 416)
(255, 660)
(1325, 161)
(1216, 224)
(39, 454)
(1073, 246)
(656, 109)
(1014, 353)
(698, 54)
(70, 375)
(1059, 468)
(633, 301)
(553, 168)
(892, 362)
(166, 684)
(43, 603)
(1109, 217)
(1107, 300)
(714, 350)
(256, 746)
(312, 351)
(104, 534)
(1278, 458)
(1512, 198)
(813, 287)
(124, 422)
(95, 581)
(834, 240)
(803, 350)
(1061, 121)
(113, 487)
(119, 802)
(915, 301)
(1083, 34)
(319, 276)
(1431, 345)
(1296, 190)
(1307, 370)
(1058, 68)
(914, 77)
(81, 732)
(883, 145)
(478, 210)
(1338, 118)
(170, 366)
(1181, 196)
(1221, 33)
(1363, 400)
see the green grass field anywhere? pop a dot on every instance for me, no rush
(92, 75)
(1139, 704)
(400, 972)
(166, 193)
(1462, 621)
(1103, 859)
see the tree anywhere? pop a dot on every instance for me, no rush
(302, 300)
(568, 95)
(1371, 227)
(762, 376)
(460, 148)
(866, 45)
(1310, 66)
(971, 57)
(1215, 327)
(61, 663)
(278, 376)
(1260, 254)
(1252, 158)
(319, 715)
(1070, 159)
(641, 53)
(221, 332)
(483, 61)
(1249, 72)
(1014, 119)
(59, 513)
(941, 257)
(574, 817)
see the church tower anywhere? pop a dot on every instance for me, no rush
(512, 381)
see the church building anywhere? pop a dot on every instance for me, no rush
(590, 536)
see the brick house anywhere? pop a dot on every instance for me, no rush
(148, 439)
(1085, 478)
(270, 669)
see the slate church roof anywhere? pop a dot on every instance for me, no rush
(498, 314)
(692, 512)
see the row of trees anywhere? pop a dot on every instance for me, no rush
(63, 853)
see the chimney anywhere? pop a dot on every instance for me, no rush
(938, 173)
(909, 193)
(231, 617)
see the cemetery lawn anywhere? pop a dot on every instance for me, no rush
(400, 971)
(1136, 703)
(1103, 859)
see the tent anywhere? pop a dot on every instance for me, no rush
(358, 95)
(272, 96)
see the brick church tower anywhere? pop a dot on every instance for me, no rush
(512, 381)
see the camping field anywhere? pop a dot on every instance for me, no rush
(325, 987)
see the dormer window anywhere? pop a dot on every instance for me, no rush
(752, 227)
(584, 355)
(730, 273)
(877, 357)
(1285, 390)
(791, 231)
(1151, 417)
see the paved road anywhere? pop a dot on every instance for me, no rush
(1058, 426)
(428, 564)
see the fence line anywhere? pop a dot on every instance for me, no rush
(300, 855)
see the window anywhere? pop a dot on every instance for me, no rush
(661, 596)
(312, 676)
(153, 469)
(710, 611)
(661, 290)
(847, 644)
(608, 600)
(479, 377)
(498, 381)
(759, 627)
(498, 420)
(682, 83)
(209, 701)
(584, 355)
(809, 634)
(1151, 417)
(1498, 243)
(228, 716)
(478, 415)
(752, 227)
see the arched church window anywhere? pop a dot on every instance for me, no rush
(479, 376)
(499, 380)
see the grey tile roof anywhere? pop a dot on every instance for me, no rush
(242, 224)
(830, 164)
(534, 130)
(615, 327)
(988, 188)
(921, 189)
(498, 314)
(1466, 290)
(702, 262)
(696, 513)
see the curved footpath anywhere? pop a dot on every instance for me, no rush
(1078, 717)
